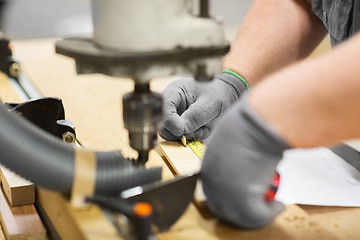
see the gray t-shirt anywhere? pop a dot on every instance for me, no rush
(340, 17)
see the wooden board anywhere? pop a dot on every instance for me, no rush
(18, 190)
(21, 222)
(182, 160)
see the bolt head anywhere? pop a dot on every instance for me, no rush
(69, 137)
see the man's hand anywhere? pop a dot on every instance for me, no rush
(191, 107)
(238, 165)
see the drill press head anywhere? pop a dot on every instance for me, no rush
(144, 39)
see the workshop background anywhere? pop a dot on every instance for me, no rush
(23, 19)
(99, 125)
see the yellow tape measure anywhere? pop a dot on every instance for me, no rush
(197, 146)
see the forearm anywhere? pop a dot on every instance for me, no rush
(274, 34)
(315, 102)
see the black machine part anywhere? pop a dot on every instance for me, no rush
(47, 113)
(169, 198)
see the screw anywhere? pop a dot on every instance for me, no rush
(15, 69)
(69, 137)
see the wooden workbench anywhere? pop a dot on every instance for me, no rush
(93, 104)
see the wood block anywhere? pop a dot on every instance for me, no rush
(21, 222)
(182, 160)
(18, 190)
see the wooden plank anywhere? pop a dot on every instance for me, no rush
(182, 160)
(21, 222)
(77, 224)
(18, 190)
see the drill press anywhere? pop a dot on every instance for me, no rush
(142, 40)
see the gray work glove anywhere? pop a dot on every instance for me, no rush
(238, 166)
(191, 107)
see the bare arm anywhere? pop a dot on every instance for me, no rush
(315, 102)
(275, 33)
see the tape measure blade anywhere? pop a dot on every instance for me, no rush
(197, 146)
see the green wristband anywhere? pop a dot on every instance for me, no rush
(236, 75)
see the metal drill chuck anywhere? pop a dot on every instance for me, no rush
(142, 114)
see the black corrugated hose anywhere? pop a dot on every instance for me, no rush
(47, 162)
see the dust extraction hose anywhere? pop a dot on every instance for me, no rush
(47, 162)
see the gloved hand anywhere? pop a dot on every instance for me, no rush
(191, 107)
(238, 166)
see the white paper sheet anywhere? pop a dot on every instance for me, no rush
(317, 177)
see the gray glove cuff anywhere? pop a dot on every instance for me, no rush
(233, 81)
